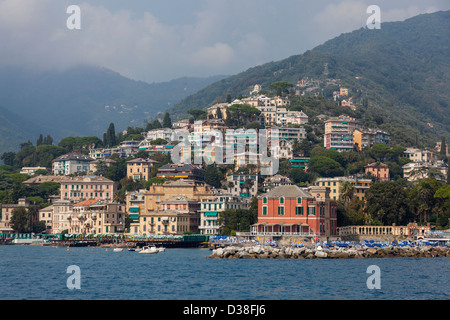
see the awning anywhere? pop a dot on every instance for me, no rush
(211, 214)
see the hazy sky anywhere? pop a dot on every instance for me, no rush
(162, 40)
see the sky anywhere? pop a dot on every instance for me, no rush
(157, 41)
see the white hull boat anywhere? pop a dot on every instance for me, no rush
(149, 250)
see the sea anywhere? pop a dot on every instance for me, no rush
(34, 272)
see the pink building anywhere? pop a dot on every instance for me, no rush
(77, 189)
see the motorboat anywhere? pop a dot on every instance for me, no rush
(147, 250)
(161, 249)
(118, 249)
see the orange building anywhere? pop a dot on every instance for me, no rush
(293, 211)
(378, 170)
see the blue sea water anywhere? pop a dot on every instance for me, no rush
(40, 273)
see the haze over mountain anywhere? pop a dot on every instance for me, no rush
(80, 101)
(402, 68)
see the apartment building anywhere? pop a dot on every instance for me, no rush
(71, 163)
(339, 133)
(77, 189)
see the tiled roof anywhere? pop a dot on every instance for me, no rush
(87, 202)
(291, 191)
(74, 156)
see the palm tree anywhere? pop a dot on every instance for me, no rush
(347, 192)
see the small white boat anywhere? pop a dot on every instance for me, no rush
(147, 250)
(161, 249)
(118, 249)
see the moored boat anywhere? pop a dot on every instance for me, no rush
(148, 250)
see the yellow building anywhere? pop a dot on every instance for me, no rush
(335, 185)
(343, 92)
(139, 169)
(177, 215)
(144, 204)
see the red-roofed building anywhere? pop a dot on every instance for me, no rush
(292, 211)
(377, 170)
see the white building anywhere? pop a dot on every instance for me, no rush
(71, 163)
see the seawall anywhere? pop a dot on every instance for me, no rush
(268, 252)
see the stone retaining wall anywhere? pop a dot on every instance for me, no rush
(267, 252)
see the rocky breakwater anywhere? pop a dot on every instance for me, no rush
(267, 252)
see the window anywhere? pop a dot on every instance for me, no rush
(299, 200)
(264, 200)
(312, 211)
(281, 211)
(264, 211)
(299, 211)
(282, 200)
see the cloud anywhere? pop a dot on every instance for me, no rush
(218, 55)
(158, 43)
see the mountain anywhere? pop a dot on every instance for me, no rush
(81, 101)
(401, 69)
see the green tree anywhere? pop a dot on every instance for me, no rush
(238, 220)
(213, 175)
(8, 158)
(422, 200)
(298, 175)
(388, 202)
(20, 220)
(325, 166)
(109, 138)
(280, 87)
(443, 153)
(167, 122)
(197, 114)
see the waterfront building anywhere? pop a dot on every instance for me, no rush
(140, 169)
(212, 206)
(8, 211)
(96, 217)
(176, 215)
(335, 184)
(144, 202)
(77, 189)
(61, 211)
(71, 163)
(293, 211)
(379, 171)
(46, 215)
(411, 231)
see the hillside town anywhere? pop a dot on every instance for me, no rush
(252, 167)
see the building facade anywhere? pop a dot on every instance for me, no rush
(140, 169)
(293, 211)
(77, 189)
(71, 163)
